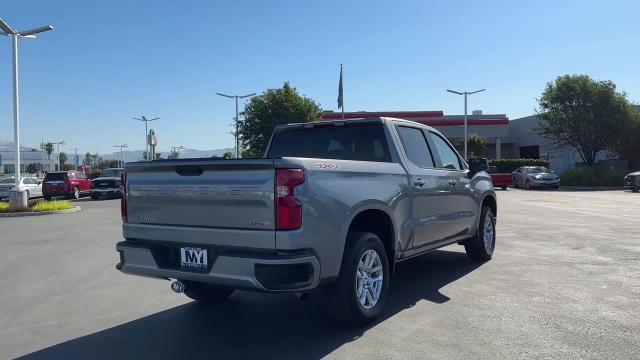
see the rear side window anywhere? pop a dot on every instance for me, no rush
(363, 143)
(415, 145)
(56, 176)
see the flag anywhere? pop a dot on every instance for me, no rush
(340, 95)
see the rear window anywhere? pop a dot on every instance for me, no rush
(56, 176)
(363, 143)
(492, 170)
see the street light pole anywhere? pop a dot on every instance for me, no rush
(146, 133)
(120, 161)
(58, 152)
(465, 94)
(236, 123)
(6, 30)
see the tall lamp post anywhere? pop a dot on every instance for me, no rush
(18, 200)
(237, 97)
(121, 162)
(465, 93)
(58, 152)
(146, 133)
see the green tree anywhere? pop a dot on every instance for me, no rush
(476, 145)
(583, 113)
(62, 158)
(271, 108)
(87, 159)
(228, 155)
(48, 148)
(628, 144)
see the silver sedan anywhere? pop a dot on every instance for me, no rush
(535, 176)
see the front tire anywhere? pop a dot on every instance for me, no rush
(361, 290)
(635, 190)
(481, 246)
(528, 185)
(503, 187)
(207, 293)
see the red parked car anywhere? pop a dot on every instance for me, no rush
(70, 184)
(501, 180)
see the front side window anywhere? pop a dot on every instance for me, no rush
(415, 145)
(448, 157)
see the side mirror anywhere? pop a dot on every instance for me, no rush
(477, 165)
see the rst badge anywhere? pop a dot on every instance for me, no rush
(325, 165)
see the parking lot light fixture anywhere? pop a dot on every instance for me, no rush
(58, 143)
(236, 122)
(7, 30)
(120, 160)
(465, 94)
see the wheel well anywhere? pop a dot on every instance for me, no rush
(490, 201)
(379, 223)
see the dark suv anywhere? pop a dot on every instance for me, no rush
(69, 184)
(107, 185)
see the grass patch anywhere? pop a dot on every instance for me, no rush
(51, 205)
(4, 206)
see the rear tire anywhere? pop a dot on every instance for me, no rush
(635, 190)
(481, 246)
(515, 183)
(503, 187)
(94, 197)
(47, 198)
(360, 293)
(206, 292)
(528, 185)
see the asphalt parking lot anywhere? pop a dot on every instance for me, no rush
(564, 283)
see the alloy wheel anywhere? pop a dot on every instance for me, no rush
(369, 279)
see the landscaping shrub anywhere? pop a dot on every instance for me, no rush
(510, 165)
(592, 176)
(4, 206)
(51, 205)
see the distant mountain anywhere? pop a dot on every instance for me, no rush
(136, 155)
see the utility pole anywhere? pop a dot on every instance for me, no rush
(146, 134)
(236, 122)
(18, 199)
(465, 94)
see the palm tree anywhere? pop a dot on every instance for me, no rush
(48, 147)
(62, 157)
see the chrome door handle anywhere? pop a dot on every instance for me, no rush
(418, 182)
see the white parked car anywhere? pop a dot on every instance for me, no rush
(30, 184)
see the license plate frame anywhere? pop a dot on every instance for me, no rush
(194, 258)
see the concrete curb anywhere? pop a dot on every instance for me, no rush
(31, 213)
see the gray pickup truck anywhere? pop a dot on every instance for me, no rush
(332, 205)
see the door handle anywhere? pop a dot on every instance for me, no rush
(418, 182)
(452, 182)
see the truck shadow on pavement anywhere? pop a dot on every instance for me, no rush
(254, 325)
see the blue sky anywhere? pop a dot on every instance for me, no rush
(108, 61)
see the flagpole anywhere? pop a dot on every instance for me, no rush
(341, 87)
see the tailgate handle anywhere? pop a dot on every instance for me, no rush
(188, 170)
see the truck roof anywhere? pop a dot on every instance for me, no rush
(339, 122)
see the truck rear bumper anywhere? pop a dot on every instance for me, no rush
(291, 271)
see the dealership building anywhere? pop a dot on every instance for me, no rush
(38, 159)
(505, 139)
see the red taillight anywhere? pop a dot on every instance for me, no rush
(288, 208)
(123, 197)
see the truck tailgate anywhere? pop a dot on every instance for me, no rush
(202, 193)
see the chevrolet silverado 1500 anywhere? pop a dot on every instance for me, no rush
(332, 205)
